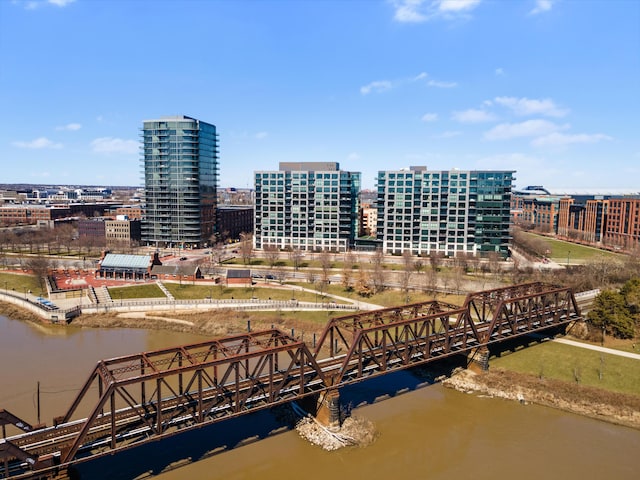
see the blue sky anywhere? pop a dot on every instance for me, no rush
(549, 88)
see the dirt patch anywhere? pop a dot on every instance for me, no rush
(618, 408)
(214, 323)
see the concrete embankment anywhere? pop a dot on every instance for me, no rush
(618, 408)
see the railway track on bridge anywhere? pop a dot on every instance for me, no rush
(132, 400)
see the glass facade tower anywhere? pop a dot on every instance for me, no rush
(308, 206)
(450, 212)
(180, 168)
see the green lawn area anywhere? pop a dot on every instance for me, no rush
(565, 362)
(136, 291)
(20, 283)
(562, 251)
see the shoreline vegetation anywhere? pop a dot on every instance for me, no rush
(617, 408)
(613, 407)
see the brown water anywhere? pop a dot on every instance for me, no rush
(427, 433)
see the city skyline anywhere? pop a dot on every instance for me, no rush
(545, 88)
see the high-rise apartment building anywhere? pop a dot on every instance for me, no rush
(180, 161)
(451, 212)
(308, 206)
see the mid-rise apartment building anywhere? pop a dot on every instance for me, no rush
(180, 162)
(306, 205)
(122, 231)
(623, 223)
(452, 212)
(234, 220)
(582, 219)
(368, 221)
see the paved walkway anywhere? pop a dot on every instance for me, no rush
(588, 346)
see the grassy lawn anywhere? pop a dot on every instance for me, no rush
(388, 298)
(191, 292)
(20, 283)
(564, 362)
(136, 291)
(561, 251)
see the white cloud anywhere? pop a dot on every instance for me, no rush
(409, 11)
(527, 106)
(376, 87)
(38, 143)
(114, 145)
(61, 3)
(530, 128)
(448, 134)
(556, 139)
(473, 116)
(35, 4)
(499, 71)
(261, 135)
(541, 7)
(457, 5)
(429, 117)
(353, 156)
(418, 11)
(70, 127)
(380, 86)
(434, 83)
(509, 161)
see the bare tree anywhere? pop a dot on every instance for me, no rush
(435, 260)
(311, 277)
(494, 260)
(271, 254)
(325, 264)
(457, 276)
(295, 255)
(280, 274)
(405, 277)
(418, 266)
(347, 271)
(431, 282)
(218, 253)
(362, 286)
(246, 247)
(377, 273)
(40, 266)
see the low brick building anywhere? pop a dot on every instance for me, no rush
(239, 277)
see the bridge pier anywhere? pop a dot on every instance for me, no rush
(478, 359)
(328, 411)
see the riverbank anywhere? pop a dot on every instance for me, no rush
(617, 408)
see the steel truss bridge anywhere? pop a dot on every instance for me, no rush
(132, 400)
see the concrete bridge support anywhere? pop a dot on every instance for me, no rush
(478, 359)
(328, 412)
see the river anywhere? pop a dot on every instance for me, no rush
(430, 432)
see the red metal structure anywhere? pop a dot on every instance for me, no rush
(132, 400)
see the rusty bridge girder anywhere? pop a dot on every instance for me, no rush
(135, 399)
